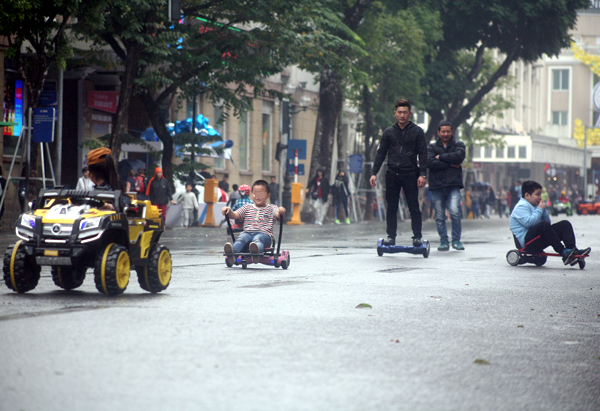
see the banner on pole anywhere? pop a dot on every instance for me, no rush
(43, 125)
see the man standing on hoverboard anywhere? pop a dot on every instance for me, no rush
(402, 143)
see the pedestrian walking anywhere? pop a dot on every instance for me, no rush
(190, 202)
(223, 184)
(515, 195)
(490, 201)
(341, 192)
(274, 187)
(320, 192)
(141, 183)
(444, 161)
(130, 183)
(84, 182)
(234, 196)
(159, 192)
(502, 202)
(402, 143)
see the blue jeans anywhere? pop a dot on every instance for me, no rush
(447, 199)
(245, 238)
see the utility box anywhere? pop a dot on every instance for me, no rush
(297, 193)
(211, 186)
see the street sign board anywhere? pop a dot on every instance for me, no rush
(356, 163)
(300, 169)
(43, 125)
(296, 144)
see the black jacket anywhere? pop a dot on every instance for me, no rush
(339, 188)
(324, 187)
(441, 172)
(160, 191)
(402, 146)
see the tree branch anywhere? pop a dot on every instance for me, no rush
(464, 113)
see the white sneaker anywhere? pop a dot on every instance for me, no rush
(229, 251)
(254, 250)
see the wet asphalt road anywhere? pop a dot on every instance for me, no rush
(270, 339)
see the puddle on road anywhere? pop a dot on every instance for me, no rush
(395, 270)
(275, 284)
(63, 310)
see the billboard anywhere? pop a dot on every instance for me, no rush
(13, 107)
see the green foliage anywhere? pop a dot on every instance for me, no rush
(223, 48)
(397, 45)
(525, 29)
(102, 141)
(394, 66)
(39, 29)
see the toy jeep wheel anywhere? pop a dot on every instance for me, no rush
(68, 278)
(21, 273)
(111, 271)
(156, 276)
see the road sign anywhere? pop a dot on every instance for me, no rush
(356, 163)
(300, 145)
(43, 125)
(300, 169)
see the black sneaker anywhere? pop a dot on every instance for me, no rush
(568, 255)
(580, 255)
(417, 242)
(585, 251)
(389, 241)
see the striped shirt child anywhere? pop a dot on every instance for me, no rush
(259, 219)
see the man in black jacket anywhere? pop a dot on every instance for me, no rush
(444, 159)
(402, 143)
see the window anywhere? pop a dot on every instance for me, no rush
(476, 152)
(522, 151)
(499, 152)
(559, 118)
(219, 125)
(560, 80)
(511, 152)
(244, 127)
(488, 152)
(266, 141)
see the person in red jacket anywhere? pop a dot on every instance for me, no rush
(159, 192)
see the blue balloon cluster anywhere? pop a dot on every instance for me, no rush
(201, 125)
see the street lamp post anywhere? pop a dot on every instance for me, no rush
(585, 163)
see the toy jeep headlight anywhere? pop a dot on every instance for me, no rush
(90, 223)
(28, 221)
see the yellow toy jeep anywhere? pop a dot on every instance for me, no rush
(73, 230)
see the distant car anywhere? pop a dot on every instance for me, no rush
(560, 207)
(588, 208)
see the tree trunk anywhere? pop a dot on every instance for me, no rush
(330, 107)
(127, 87)
(159, 124)
(369, 142)
(342, 163)
(434, 119)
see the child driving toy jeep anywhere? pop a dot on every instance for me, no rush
(530, 219)
(258, 221)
